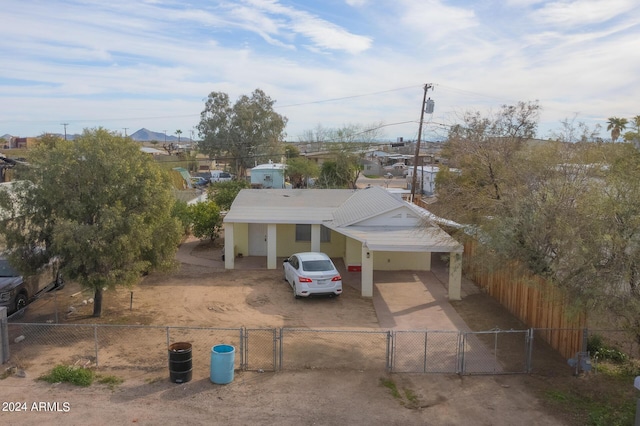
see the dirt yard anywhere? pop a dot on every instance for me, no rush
(201, 293)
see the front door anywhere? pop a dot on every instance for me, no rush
(257, 239)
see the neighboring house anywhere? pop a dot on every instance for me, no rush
(269, 175)
(152, 151)
(425, 179)
(370, 229)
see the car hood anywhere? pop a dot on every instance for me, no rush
(7, 283)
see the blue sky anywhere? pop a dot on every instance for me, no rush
(331, 63)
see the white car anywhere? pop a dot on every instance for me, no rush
(312, 273)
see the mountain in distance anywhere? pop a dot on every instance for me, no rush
(146, 135)
(142, 135)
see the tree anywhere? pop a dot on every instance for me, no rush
(488, 151)
(100, 205)
(347, 144)
(634, 136)
(616, 125)
(206, 219)
(178, 132)
(576, 131)
(248, 131)
(291, 151)
(569, 213)
(223, 193)
(299, 170)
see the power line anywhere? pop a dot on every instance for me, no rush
(192, 115)
(346, 97)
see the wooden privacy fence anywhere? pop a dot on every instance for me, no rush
(533, 301)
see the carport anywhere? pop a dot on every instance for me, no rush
(379, 245)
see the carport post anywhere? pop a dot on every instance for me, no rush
(229, 252)
(366, 272)
(4, 335)
(455, 275)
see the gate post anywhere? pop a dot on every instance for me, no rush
(530, 350)
(390, 350)
(4, 336)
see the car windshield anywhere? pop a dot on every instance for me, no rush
(6, 270)
(317, 265)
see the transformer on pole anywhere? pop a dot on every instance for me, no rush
(427, 106)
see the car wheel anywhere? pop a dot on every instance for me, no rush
(21, 301)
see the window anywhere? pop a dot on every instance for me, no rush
(303, 233)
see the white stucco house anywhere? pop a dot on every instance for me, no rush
(370, 229)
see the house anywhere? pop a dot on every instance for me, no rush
(269, 175)
(370, 229)
(425, 179)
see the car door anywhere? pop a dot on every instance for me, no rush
(290, 268)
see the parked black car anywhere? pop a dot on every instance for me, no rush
(17, 291)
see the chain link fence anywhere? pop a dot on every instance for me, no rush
(145, 348)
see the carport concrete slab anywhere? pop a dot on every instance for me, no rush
(413, 300)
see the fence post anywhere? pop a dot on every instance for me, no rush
(95, 341)
(243, 348)
(530, 350)
(4, 336)
(390, 350)
(585, 339)
(281, 330)
(461, 340)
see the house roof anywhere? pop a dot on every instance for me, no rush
(270, 166)
(373, 216)
(311, 206)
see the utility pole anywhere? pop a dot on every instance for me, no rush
(414, 178)
(125, 131)
(165, 136)
(65, 130)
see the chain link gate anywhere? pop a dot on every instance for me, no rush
(425, 351)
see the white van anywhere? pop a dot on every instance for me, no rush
(220, 176)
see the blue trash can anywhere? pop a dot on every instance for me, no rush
(222, 363)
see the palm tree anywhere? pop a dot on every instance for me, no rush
(616, 125)
(178, 132)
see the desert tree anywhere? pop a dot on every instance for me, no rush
(346, 145)
(247, 131)
(97, 203)
(487, 150)
(223, 193)
(299, 170)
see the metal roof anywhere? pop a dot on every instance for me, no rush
(365, 204)
(310, 206)
(342, 210)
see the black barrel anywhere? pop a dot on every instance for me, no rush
(180, 366)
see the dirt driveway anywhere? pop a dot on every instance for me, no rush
(198, 294)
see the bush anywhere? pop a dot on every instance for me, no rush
(599, 350)
(206, 219)
(67, 374)
(181, 212)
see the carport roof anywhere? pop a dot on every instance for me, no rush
(411, 239)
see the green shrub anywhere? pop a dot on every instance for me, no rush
(64, 373)
(599, 350)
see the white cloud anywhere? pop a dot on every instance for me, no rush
(583, 12)
(125, 64)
